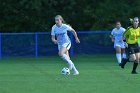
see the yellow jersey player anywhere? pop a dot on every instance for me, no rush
(131, 36)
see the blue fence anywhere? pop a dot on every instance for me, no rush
(39, 44)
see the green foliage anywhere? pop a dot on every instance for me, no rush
(38, 15)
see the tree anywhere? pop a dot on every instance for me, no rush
(38, 15)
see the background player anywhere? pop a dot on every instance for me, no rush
(59, 30)
(116, 36)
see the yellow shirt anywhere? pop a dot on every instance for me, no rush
(131, 35)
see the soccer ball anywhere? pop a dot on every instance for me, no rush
(65, 71)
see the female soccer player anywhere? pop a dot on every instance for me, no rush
(116, 36)
(131, 36)
(59, 30)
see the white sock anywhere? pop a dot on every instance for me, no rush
(74, 68)
(69, 62)
(118, 56)
(123, 55)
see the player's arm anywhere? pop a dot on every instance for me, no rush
(123, 39)
(75, 35)
(53, 39)
(139, 33)
(112, 38)
(53, 36)
(125, 35)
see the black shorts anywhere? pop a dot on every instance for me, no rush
(133, 49)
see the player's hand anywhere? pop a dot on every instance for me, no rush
(121, 40)
(126, 45)
(55, 41)
(77, 40)
(112, 40)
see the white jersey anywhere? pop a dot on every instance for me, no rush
(61, 33)
(118, 33)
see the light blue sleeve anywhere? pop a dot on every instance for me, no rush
(112, 32)
(52, 32)
(69, 28)
(124, 29)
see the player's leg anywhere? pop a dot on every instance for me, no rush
(73, 66)
(123, 50)
(131, 54)
(118, 54)
(63, 51)
(62, 54)
(131, 58)
(135, 64)
(123, 53)
(67, 53)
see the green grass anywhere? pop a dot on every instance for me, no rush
(98, 74)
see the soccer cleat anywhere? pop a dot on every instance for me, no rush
(134, 72)
(76, 73)
(124, 61)
(120, 64)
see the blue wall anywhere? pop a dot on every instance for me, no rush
(39, 44)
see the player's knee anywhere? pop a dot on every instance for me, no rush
(133, 59)
(60, 54)
(137, 60)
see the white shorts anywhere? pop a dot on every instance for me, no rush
(66, 45)
(119, 44)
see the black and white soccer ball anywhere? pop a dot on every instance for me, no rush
(65, 71)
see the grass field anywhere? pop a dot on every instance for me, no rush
(98, 74)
